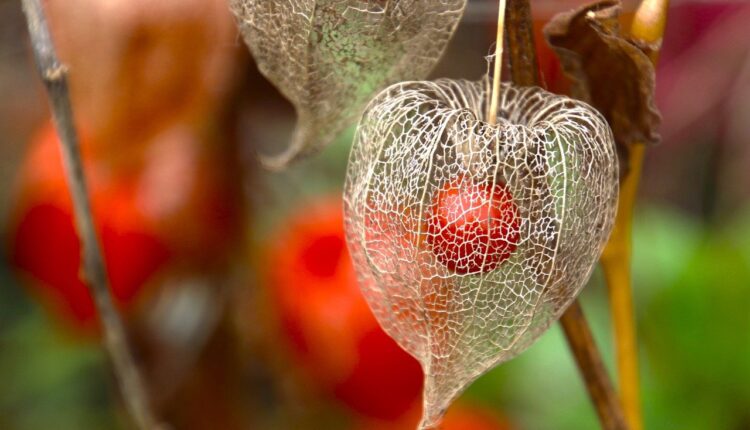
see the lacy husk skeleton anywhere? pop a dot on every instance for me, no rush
(557, 158)
(329, 57)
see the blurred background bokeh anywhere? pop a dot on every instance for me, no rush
(235, 282)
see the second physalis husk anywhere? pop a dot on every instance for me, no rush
(329, 57)
(471, 239)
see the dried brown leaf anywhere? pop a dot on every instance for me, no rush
(329, 57)
(608, 70)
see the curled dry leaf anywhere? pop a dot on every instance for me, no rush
(608, 70)
(328, 57)
(470, 239)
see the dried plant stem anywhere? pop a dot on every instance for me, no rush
(590, 364)
(53, 73)
(592, 368)
(497, 72)
(647, 30)
(616, 261)
(524, 71)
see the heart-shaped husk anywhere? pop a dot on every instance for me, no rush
(328, 57)
(557, 159)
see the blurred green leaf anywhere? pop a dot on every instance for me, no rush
(696, 332)
(663, 241)
(48, 381)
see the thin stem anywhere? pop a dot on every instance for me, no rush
(54, 75)
(524, 72)
(497, 72)
(647, 31)
(592, 368)
(616, 265)
(524, 69)
(649, 23)
(617, 274)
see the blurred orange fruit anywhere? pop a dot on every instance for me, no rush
(331, 329)
(177, 211)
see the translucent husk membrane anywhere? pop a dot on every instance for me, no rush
(555, 155)
(329, 57)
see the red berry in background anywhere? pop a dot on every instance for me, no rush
(45, 244)
(473, 227)
(148, 224)
(333, 333)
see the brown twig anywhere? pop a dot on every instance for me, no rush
(592, 368)
(524, 69)
(524, 72)
(54, 76)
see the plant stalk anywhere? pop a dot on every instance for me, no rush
(524, 72)
(594, 373)
(524, 68)
(616, 263)
(647, 30)
(54, 76)
(497, 72)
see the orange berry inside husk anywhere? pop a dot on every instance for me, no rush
(473, 227)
